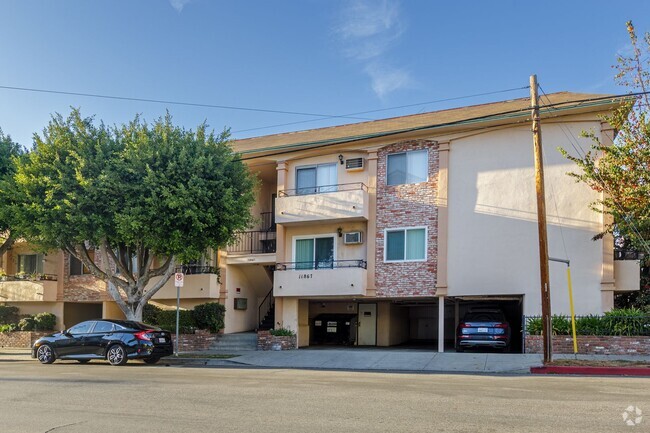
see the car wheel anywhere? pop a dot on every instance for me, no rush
(45, 354)
(151, 360)
(83, 361)
(116, 355)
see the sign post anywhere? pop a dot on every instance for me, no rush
(179, 278)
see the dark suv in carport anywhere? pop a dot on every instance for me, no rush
(483, 328)
(117, 341)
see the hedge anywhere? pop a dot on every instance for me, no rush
(209, 316)
(623, 322)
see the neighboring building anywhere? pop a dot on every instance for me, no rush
(386, 232)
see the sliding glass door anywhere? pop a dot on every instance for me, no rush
(314, 253)
(316, 179)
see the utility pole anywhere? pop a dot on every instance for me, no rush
(541, 222)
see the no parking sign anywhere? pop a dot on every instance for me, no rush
(179, 278)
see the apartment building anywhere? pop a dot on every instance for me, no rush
(386, 232)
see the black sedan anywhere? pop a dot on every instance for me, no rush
(117, 341)
(483, 328)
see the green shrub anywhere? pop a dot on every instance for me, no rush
(561, 325)
(27, 323)
(44, 322)
(534, 325)
(209, 316)
(8, 314)
(9, 327)
(167, 321)
(150, 314)
(282, 332)
(589, 325)
(626, 321)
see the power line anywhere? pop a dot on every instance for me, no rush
(169, 102)
(386, 109)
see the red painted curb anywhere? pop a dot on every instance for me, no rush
(591, 371)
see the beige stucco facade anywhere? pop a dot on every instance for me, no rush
(476, 206)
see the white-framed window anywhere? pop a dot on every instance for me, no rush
(314, 179)
(30, 263)
(314, 252)
(407, 244)
(407, 167)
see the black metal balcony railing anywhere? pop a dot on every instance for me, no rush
(196, 269)
(323, 189)
(268, 221)
(326, 264)
(255, 242)
(628, 255)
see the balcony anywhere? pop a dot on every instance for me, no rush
(22, 288)
(333, 278)
(200, 282)
(627, 270)
(323, 203)
(254, 242)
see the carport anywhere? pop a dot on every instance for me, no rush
(511, 305)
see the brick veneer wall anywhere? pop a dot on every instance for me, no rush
(266, 341)
(592, 345)
(83, 288)
(199, 341)
(20, 339)
(407, 205)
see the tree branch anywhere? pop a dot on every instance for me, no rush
(8, 243)
(171, 265)
(161, 270)
(128, 276)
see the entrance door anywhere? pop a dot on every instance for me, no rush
(367, 335)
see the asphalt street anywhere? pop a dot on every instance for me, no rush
(69, 397)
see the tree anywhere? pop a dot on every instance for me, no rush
(622, 171)
(143, 197)
(9, 152)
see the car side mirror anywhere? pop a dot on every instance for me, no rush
(66, 332)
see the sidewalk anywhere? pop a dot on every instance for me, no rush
(365, 360)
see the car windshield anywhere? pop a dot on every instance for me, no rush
(484, 317)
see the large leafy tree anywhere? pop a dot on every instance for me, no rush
(9, 152)
(143, 197)
(622, 171)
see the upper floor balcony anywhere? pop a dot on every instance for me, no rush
(18, 288)
(325, 278)
(323, 203)
(201, 281)
(627, 270)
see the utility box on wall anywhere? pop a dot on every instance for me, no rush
(241, 303)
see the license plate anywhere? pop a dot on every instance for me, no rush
(161, 340)
(482, 330)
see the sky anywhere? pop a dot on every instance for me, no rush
(316, 57)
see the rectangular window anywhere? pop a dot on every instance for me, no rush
(30, 263)
(314, 253)
(407, 167)
(405, 245)
(316, 179)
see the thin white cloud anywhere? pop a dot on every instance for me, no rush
(368, 30)
(178, 4)
(385, 79)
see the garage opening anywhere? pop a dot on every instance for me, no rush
(512, 307)
(75, 312)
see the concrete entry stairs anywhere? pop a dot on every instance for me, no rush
(240, 341)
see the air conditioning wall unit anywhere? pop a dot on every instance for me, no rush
(352, 238)
(354, 164)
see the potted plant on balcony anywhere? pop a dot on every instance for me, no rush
(3, 275)
(20, 275)
(35, 276)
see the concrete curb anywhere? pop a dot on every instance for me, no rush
(591, 371)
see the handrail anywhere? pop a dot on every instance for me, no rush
(268, 296)
(322, 189)
(322, 264)
(253, 242)
(628, 255)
